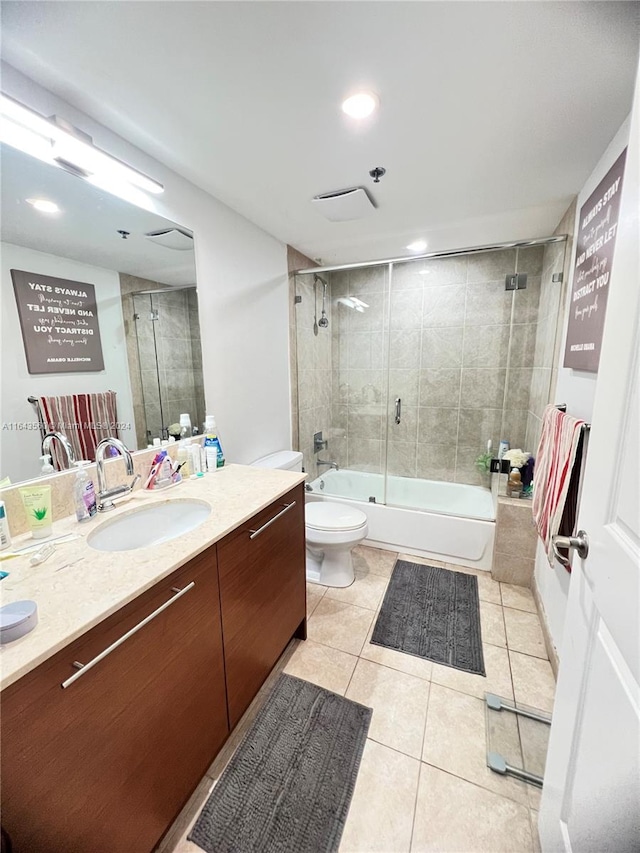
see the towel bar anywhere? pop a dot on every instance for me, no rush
(563, 408)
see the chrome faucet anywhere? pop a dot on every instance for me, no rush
(64, 441)
(105, 496)
(330, 464)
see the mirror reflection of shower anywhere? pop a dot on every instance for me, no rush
(323, 322)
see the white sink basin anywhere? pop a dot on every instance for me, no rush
(149, 525)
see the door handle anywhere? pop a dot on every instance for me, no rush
(398, 409)
(579, 543)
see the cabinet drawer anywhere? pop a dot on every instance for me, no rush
(262, 595)
(105, 763)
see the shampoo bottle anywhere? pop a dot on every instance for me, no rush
(84, 495)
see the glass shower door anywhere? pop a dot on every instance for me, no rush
(342, 380)
(469, 362)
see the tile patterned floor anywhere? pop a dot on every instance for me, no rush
(423, 783)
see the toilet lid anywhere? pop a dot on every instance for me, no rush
(323, 515)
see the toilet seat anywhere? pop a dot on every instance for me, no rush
(326, 516)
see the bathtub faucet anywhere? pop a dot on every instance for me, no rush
(330, 464)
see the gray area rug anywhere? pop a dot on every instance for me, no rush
(432, 613)
(289, 785)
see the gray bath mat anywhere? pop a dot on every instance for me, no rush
(289, 785)
(432, 613)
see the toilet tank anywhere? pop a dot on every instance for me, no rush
(289, 460)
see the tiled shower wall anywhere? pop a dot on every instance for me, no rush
(463, 375)
(168, 368)
(556, 259)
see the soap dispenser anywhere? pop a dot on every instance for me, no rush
(47, 467)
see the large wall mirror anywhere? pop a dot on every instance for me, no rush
(143, 270)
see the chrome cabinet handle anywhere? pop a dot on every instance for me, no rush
(257, 532)
(398, 409)
(84, 667)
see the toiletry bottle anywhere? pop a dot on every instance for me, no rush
(37, 505)
(195, 463)
(84, 495)
(47, 467)
(185, 426)
(5, 536)
(502, 448)
(212, 446)
(183, 459)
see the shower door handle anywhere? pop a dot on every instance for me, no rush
(398, 409)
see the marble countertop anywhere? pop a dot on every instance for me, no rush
(78, 586)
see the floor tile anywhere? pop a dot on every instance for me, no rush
(497, 679)
(533, 681)
(455, 740)
(535, 795)
(313, 598)
(339, 625)
(534, 831)
(316, 589)
(374, 560)
(367, 591)
(322, 665)
(524, 633)
(401, 661)
(381, 812)
(399, 703)
(492, 624)
(455, 816)
(518, 597)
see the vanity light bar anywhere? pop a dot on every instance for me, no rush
(66, 147)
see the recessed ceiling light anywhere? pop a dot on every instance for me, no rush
(417, 246)
(360, 105)
(43, 205)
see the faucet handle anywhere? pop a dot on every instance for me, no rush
(133, 482)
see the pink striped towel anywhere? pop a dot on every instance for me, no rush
(85, 419)
(554, 463)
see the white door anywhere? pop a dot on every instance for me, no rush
(591, 796)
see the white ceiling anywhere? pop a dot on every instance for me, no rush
(492, 114)
(86, 228)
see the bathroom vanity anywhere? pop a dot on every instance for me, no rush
(103, 757)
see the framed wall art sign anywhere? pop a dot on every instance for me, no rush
(59, 323)
(596, 240)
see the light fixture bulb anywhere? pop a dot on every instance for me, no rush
(360, 105)
(43, 205)
(417, 246)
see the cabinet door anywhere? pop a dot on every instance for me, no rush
(262, 595)
(105, 764)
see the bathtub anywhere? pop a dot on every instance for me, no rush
(450, 522)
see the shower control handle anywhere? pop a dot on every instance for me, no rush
(398, 409)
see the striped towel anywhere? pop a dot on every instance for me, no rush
(554, 463)
(85, 419)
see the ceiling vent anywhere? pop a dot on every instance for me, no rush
(172, 238)
(343, 205)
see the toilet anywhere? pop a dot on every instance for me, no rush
(332, 530)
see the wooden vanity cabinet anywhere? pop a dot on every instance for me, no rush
(105, 764)
(262, 595)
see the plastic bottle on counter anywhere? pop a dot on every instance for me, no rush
(47, 467)
(84, 494)
(212, 446)
(5, 536)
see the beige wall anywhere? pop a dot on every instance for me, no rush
(556, 259)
